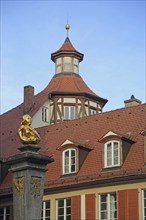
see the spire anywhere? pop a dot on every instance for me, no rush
(67, 49)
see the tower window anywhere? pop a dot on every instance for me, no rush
(69, 112)
(92, 112)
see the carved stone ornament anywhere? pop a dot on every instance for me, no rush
(35, 186)
(27, 134)
(19, 184)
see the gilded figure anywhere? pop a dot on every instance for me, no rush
(27, 134)
(19, 184)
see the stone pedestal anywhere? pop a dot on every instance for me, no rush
(28, 170)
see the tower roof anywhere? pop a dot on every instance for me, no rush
(67, 49)
(65, 84)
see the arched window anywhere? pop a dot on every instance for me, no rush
(69, 161)
(112, 154)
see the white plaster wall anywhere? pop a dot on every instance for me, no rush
(37, 118)
(69, 100)
(86, 108)
(93, 104)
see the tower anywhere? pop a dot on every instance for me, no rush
(68, 96)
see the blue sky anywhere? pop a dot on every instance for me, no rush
(111, 34)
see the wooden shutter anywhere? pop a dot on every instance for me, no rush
(128, 204)
(75, 208)
(90, 207)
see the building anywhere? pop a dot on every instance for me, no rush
(99, 172)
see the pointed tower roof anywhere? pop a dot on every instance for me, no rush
(67, 49)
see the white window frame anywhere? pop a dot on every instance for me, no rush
(108, 203)
(69, 109)
(112, 154)
(64, 208)
(143, 204)
(92, 111)
(5, 213)
(44, 209)
(70, 161)
(44, 114)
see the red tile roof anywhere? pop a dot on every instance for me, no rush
(88, 129)
(64, 84)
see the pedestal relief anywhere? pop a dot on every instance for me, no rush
(19, 184)
(35, 186)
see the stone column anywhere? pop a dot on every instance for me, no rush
(28, 169)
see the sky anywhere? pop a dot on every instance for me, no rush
(110, 34)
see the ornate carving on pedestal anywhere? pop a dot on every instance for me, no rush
(27, 134)
(35, 186)
(19, 184)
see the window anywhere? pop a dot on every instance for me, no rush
(45, 211)
(92, 112)
(75, 65)
(5, 213)
(44, 114)
(108, 206)
(144, 203)
(63, 211)
(69, 161)
(69, 112)
(112, 154)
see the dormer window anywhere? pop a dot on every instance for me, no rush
(115, 148)
(69, 161)
(69, 112)
(112, 154)
(73, 156)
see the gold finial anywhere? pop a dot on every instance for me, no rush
(27, 134)
(67, 27)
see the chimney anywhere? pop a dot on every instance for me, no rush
(132, 102)
(28, 98)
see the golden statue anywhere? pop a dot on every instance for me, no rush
(27, 134)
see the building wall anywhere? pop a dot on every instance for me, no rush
(86, 202)
(37, 118)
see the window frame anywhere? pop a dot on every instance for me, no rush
(93, 111)
(44, 209)
(108, 204)
(112, 154)
(64, 208)
(69, 107)
(4, 215)
(44, 114)
(143, 204)
(70, 163)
